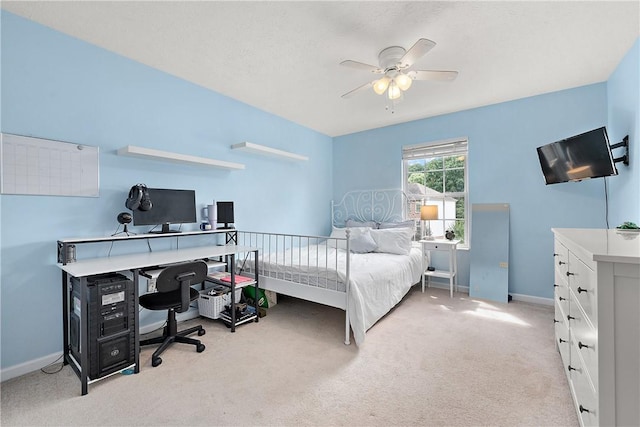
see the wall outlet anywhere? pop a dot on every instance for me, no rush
(504, 265)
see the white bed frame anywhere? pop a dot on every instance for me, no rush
(366, 205)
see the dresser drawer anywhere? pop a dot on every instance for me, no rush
(562, 335)
(585, 395)
(561, 293)
(585, 341)
(583, 285)
(560, 258)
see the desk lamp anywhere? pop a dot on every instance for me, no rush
(428, 213)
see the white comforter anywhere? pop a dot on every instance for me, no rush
(378, 281)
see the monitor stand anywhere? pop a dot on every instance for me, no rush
(165, 229)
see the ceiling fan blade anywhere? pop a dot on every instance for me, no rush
(357, 90)
(362, 66)
(433, 75)
(420, 48)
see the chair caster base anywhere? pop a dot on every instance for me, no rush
(156, 361)
(200, 348)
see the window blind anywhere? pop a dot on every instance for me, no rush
(420, 151)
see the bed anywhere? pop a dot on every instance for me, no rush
(365, 267)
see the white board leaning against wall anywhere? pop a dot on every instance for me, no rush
(36, 166)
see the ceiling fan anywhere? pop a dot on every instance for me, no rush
(394, 66)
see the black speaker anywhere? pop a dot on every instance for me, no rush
(138, 198)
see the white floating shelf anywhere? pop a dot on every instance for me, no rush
(261, 149)
(148, 153)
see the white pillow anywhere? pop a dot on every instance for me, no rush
(338, 233)
(355, 223)
(393, 240)
(408, 223)
(360, 241)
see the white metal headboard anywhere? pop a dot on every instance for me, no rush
(370, 205)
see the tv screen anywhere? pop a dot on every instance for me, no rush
(583, 156)
(168, 207)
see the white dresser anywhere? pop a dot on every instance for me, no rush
(597, 322)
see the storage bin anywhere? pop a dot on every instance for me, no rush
(211, 305)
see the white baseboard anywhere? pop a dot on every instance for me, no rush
(532, 300)
(30, 366)
(515, 297)
(36, 364)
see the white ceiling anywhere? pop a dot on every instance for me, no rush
(283, 57)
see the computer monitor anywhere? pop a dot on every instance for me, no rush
(168, 207)
(225, 214)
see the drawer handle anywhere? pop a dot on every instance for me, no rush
(581, 346)
(562, 299)
(570, 274)
(555, 286)
(560, 340)
(581, 290)
(561, 263)
(571, 368)
(570, 317)
(556, 321)
(556, 254)
(583, 409)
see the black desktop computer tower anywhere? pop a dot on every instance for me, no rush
(110, 321)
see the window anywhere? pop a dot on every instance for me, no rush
(436, 174)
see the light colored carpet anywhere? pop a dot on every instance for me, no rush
(431, 361)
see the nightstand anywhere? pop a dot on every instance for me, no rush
(449, 246)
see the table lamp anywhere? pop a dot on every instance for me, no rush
(428, 213)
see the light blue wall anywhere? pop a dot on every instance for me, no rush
(503, 168)
(57, 87)
(623, 90)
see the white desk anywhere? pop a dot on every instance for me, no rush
(88, 267)
(449, 246)
(84, 268)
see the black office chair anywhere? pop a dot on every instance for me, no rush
(174, 293)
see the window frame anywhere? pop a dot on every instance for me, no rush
(442, 149)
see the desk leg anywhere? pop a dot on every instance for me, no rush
(257, 286)
(84, 336)
(136, 319)
(232, 268)
(65, 318)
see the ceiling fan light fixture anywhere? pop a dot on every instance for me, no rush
(394, 91)
(403, 81)
(381, 85)
(395, 71)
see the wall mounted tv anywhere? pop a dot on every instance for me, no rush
(583, 156)
(168, 207)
